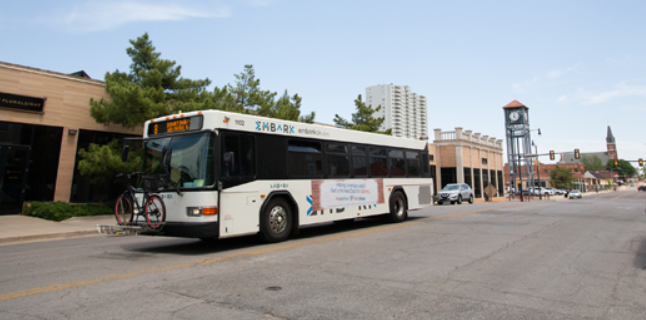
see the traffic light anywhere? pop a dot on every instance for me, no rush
(577, 154)
(551, 154)
(641, 162)
(616, 162)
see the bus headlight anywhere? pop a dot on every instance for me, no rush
(201, 211)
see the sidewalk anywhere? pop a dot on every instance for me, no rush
(18, 228)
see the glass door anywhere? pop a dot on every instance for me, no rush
(13, 174)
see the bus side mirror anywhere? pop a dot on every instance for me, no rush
(124, 153)
(229, 164)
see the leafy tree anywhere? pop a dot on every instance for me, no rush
(151, 89)
(561, 177)
(592, 163)
(624, 167)
(362, 120)
(104, 161)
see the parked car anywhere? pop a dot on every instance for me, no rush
(560, 191)
(455, 192)
(551, 191)
(542, 191)
(575, 194)
(642, 187)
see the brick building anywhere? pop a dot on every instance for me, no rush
(461, 156)
(542, 173)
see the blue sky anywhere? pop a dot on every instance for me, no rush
(578, 65)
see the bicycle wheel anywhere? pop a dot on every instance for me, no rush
(155, 211)
(123, 210)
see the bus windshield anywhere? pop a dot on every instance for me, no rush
(186, 160)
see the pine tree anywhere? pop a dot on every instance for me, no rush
(153, 88)
(287, 108)
(362, 120)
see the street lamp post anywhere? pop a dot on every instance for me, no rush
(538, 168)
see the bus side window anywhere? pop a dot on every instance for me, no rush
(413, 162)
(378, 162)
(338, 163)
(243, 150)
(304, 159)
(231, 143)
(397, 163)
(247, 156)
(359, 161)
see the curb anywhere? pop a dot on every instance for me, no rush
(61, 235)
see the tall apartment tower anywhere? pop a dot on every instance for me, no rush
(403, 110)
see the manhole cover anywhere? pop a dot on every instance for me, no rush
(274, 288)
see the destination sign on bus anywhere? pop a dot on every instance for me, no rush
(175, 125)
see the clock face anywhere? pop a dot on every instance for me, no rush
(514, 116)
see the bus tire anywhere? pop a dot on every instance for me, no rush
(276, 221)
(398, 207)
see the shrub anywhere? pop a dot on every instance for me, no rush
(59, 211)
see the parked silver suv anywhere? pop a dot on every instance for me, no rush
(455, 192)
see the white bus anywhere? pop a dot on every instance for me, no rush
(229, 174)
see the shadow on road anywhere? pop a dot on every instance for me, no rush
(189, 247)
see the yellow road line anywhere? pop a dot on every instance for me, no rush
(623, 195)
(249, 253)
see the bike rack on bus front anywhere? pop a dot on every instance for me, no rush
(126, 230)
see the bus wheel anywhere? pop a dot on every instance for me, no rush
(398, 207)
(276, 221)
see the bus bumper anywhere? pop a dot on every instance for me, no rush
(188, 230)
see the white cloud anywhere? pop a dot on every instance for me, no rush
(97, 16)
(543, 79)
(557, 73)
(562, 98)
(620, 90)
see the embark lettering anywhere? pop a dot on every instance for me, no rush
(273, 127)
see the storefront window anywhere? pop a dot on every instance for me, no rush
(29, 161)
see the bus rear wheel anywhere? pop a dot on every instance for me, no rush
(398, 206)
(276, 221)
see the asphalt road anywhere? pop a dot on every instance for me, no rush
(571, 259)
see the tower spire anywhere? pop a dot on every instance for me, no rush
(609, 137)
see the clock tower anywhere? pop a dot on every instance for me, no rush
(518, 144)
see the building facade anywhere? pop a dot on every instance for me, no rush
(44, 120)
(461, 156)
(405, 112)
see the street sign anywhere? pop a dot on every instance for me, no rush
(490, 191)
